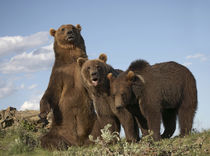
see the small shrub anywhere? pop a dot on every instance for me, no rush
(121, 146)
(18, 147)
(26, 140)
(194, 131)
(29, 126)
(106, 136)
(2, 133)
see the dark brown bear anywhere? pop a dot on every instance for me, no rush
(65, 96)
(164, 90)
(94, 75)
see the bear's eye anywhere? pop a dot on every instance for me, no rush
(124, 96)
(98, 67)
(62, 29)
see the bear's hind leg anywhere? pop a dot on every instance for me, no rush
(52, 141)
(142, 124)
(186, 114)
(153, 120)
(129, 124)
(169, 122)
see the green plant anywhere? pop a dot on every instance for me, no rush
(2, 133)
(22, 142)
(106, 136)
(29, 126)
(26, 140)
(111, 144)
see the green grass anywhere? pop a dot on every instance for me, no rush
(24, 141)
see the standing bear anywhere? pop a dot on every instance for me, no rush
(73, 112)
(94, 76)
(164, 91)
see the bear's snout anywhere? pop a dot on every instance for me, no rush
(118, 102)
(70, 32)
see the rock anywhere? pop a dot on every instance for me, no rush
(12, 117)
(7, 117)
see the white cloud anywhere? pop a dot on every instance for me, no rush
(187, 64)
(22, 86)
(197, 56)
(32, 86)
(32, 104)
(6, 89)
(17, 44)
(40, 59)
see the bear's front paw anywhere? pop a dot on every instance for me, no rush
(43, 120)
(43, 115)
(44, 109)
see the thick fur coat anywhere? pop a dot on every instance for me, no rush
(67, 98)
(164, 91)
(94, 76)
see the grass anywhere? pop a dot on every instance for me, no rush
(24, 140)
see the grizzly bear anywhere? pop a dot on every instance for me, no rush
(72, 108)
(164, 90)
(94, 76)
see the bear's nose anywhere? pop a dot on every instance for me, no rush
(94, 73)
(70, 32)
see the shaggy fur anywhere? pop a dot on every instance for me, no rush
(72, 108)
(164, 91)
(94, 75)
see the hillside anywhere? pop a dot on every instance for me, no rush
(21, 135)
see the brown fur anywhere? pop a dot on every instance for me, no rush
(133, 103)
(94, 75)
(65, 96)
(164, 90)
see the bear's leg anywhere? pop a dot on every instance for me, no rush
(140, 119)
(142, 124)
(104, 120)
(129, 124)
(169, 122)
(153, 120)
(53, 141)
(115, 124)
(96, 131)
(185, 115)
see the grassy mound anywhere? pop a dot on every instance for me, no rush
(24, 140)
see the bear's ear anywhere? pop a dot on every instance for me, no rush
(130, 76)
(140, 78)
(81, 61)
(78, 26)
(110, 77)
(52, 32)
(103, 58)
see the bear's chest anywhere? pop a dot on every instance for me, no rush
(70, 79)
(102, 104)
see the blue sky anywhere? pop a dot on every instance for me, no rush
(156, 31)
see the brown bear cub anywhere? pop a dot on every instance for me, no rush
(94, 76)
(72, 108)
(164, 91)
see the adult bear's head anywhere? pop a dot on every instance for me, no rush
(125, 87)
(68, 36)
(94, 72)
